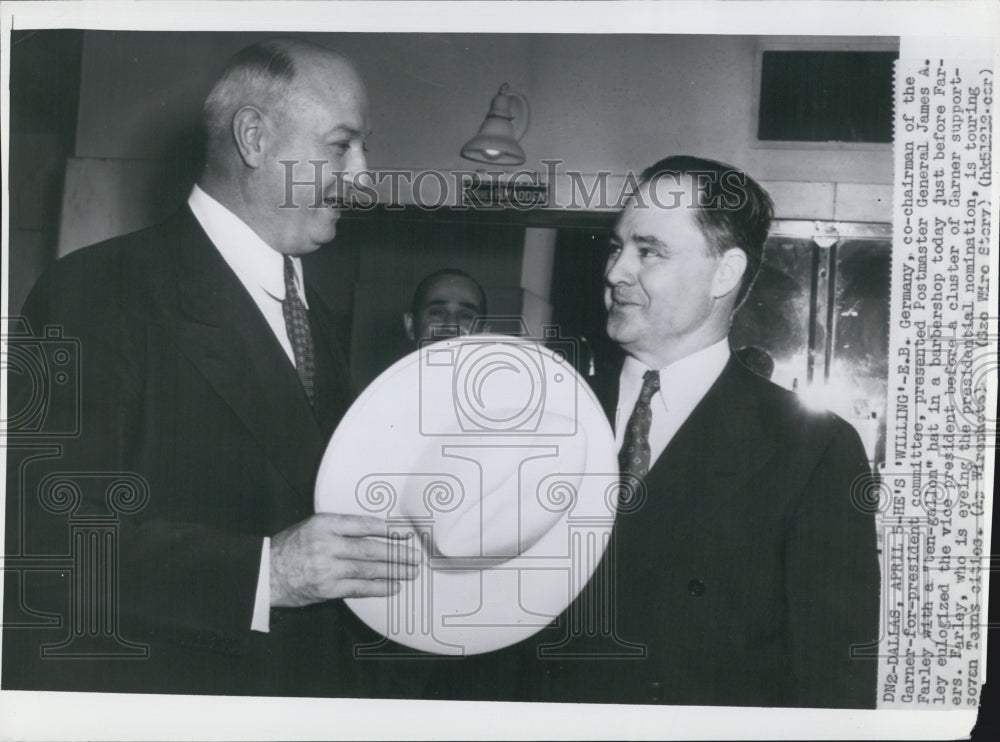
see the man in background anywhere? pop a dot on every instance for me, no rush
(741, 572)
(210, 375)
(446, 303)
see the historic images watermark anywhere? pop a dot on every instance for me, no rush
(499, 414)
(43, 415)
(315, 185)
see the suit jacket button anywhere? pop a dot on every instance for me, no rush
(696, 588)
(654, 690)
(553, 670)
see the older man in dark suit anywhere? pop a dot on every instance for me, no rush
(741, 573)
(210, 373)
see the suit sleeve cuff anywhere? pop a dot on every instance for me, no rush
(262, 603)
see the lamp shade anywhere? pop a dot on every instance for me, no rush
(496, 142)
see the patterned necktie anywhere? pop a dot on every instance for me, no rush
(634, 455)
(297, 326)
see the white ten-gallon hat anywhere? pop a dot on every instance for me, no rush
(497, 454)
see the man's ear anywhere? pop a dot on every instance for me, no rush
(732, 266)
(248, 132)
(408, 324)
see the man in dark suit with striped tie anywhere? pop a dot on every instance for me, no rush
(211, 378)
(741, 572)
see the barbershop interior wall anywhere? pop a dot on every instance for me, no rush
(44, 90)
(598, 103)
(612, 102)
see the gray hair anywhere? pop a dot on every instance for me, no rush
(259, 74)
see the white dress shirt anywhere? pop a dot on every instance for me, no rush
(261, 270)
(683, 384)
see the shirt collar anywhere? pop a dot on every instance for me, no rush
(253, 260)
(687, 378)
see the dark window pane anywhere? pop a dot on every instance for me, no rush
(808, 96)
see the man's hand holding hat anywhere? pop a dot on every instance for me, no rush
(331, 555)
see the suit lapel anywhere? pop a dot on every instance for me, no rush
(605, 388)
(720, 444)
(223, 333)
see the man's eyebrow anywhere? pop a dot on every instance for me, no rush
(349, 131)
(443, 302)
(649, 240)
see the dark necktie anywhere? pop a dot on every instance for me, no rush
(297, 326)
(634, 455)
